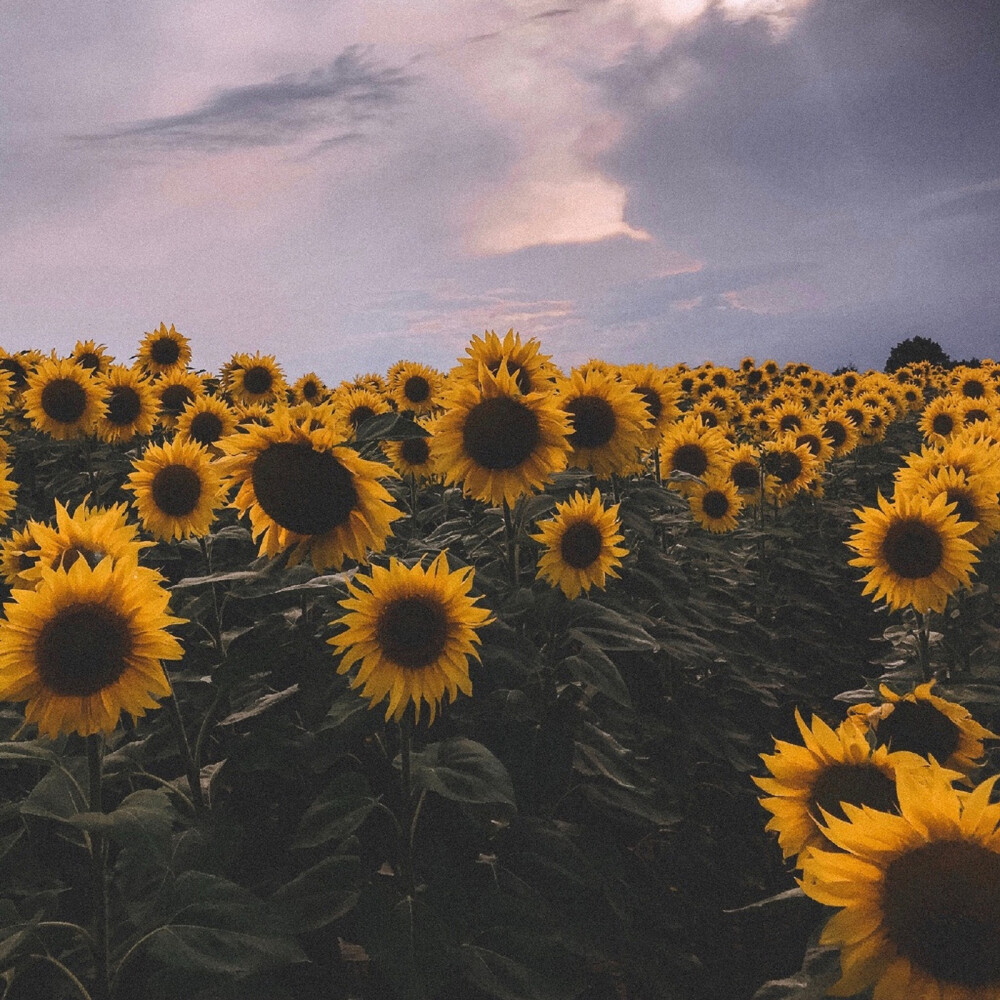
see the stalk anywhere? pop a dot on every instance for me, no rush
(99, 877)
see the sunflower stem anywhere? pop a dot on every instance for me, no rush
(206, 553)
(406, 795)
(924, 645)
(615, 488)
(413, 494)
(190, 764)
(657, 475)
(99, 878)
(508, 532)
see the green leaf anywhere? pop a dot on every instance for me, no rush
(260, 706)
(61, 793)
(463, 771)
(27, 751)
(597, 624)
(388, 427)
(337, 813)
(144, 820)
(497, 975)
(595, 668)
(320, 895)
(229, 577)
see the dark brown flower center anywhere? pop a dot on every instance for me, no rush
(856, 415)
(165, 351)
(206, 427)
(415, 451)
(709, 418)
(919, 728)
(973, 389)
(413, 631)
(174, 398)
(835, 431)
(176, 490)
(303, 490)
(943, 423)
(745, 475)
(520, 376)
(790, 422)
(912, 549)
(593, 421)
(973, 415)
(124, 405)
(715, 503)
(690, 458)
(787, 467)
(359, 415)
(17, 370)
(581, 544)
(88, 360)
(965, 507)
(859, 784)
(500, 433)
(811, 441)
(258, 380)
(720, 379)
(64, 400)
(310, 389)
(416, 389)
(942, 911)
(652, 400)
(82, 649)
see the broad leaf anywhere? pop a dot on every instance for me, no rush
(464, 771)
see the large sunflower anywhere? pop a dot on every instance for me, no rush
(829, 768)
(63, 399)
(86, 645)
(690, 447)
(498, 441)
(925, 724)
(975, 501)
(414, 386)
(256, 378)
(8, 492)
(914, 551)
(715, 504)
(130, 406)
(582, 545)
(163, 351)
(177, 489)
(657, 389)
(306, 495)
(412, 630)
(609, 423)
(919, 892)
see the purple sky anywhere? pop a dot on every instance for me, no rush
(345, 183)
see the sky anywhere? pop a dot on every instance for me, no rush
(348, 183)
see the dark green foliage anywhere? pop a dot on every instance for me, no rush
(914, 349)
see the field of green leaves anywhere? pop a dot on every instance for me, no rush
(625, 683)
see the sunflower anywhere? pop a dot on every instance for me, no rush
(309, 389)
(413, 456)
(811, 435)
(967, 452)
(582, 545)
(744, 472)
(254, 414)
(657, 390)
(412, 630)
(913, 550)
(918, 892)
(305, 495)
(19, 366)
(92, 356)
(8, 491)
(89, 534)
(497, 441)
(609, 424)
(130, 405)
(18, 553)
(174, 391)
(810, 782)
(532, 370)
(971, 383)
(414, 387)
(941, 418)
(792, 466)
(163, 351)
(256, 378)
(86, 645)
(925, 724)
(788, 416)
(63, 399)
(692, 448)
(352, 407)
(716, 504)
(206, 420)
(177, 489)
(974, 501)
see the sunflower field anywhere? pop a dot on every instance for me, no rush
(502, 683)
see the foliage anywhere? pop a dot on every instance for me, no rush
(914, 349)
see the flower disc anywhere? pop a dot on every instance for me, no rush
(63, 399)
(164, 350)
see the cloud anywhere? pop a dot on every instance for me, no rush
(353, 88)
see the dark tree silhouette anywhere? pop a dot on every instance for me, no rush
(913, 349)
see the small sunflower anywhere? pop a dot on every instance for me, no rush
(914, 551)
(498, 441)
(918, 893)
(811, 782)
(715, 504)
(306, 495)
(532, 370)
(690, 447)
(89, 533)
(609, 424)
(174, 391)
(177, 489)
(206, 420)
(792, 466)
(412, 630)
(63, 400)
(415, 387)
(744, 471)
(256, 378)
(838, 429)
(18, 553)
(130, 406)
(310, 389)
(658, 391)
(19, 366)
(353, 407)
(8, 492)
(86, 645)
(923, 723)
(810, 433)
(412, 456)
(582, 545)
(164, 351)
(92, 356)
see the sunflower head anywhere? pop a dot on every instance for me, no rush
(411, 630)
(716, 504)
(92, 356)
(414, 387)
(163, 351)
(256, 378)
(130, 405)
(206, 420)
(174, 391)
(63, 400)
(310, 389)
(691, 448)
(531, 370)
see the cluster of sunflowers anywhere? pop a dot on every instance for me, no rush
(888, 816)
